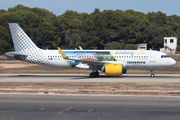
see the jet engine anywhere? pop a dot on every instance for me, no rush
(113, 69)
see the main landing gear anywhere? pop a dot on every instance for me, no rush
(152, 74)
(94, 74)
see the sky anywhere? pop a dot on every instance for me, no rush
(58, 7)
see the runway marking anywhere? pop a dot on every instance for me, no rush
(60, 112)
(63, 111)
(70, 109)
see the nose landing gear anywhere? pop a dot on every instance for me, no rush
(152, 74)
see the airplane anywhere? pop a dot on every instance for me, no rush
(111, 62)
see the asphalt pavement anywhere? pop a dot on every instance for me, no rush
(87, 107)
(135, 78)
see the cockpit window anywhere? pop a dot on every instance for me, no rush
(164, 56)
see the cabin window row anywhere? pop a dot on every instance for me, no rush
(115, 56)
(53, 56)
(73, 56)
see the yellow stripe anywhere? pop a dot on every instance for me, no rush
(80, 48)
(113, 56)
(62, 54)
(65, 60)
(60, 112)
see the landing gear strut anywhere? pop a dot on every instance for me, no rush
(152, 74)
(94, 74)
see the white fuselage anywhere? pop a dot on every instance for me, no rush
(129, 58)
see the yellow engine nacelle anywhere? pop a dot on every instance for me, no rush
(113, 69)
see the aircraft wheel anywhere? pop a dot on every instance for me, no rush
(152, 75)
(96, 74)
(92, 75)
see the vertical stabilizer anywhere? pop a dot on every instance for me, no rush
(25, 49)
(21, 41)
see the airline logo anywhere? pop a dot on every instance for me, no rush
(140, 53)
(124, 53)
(130, 53)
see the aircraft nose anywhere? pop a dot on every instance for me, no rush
(173, 62)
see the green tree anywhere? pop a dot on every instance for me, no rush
(120, 46)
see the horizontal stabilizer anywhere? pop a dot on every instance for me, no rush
(14, 54)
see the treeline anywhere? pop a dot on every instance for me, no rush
(106, 29)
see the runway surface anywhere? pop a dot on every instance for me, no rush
(136, 78)
(57, 107)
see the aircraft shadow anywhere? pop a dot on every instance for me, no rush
(75, 77)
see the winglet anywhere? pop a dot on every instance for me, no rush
(80, 48)
(62, 54)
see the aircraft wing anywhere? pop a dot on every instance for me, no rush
(88, 61)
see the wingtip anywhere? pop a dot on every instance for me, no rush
(80, 48)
